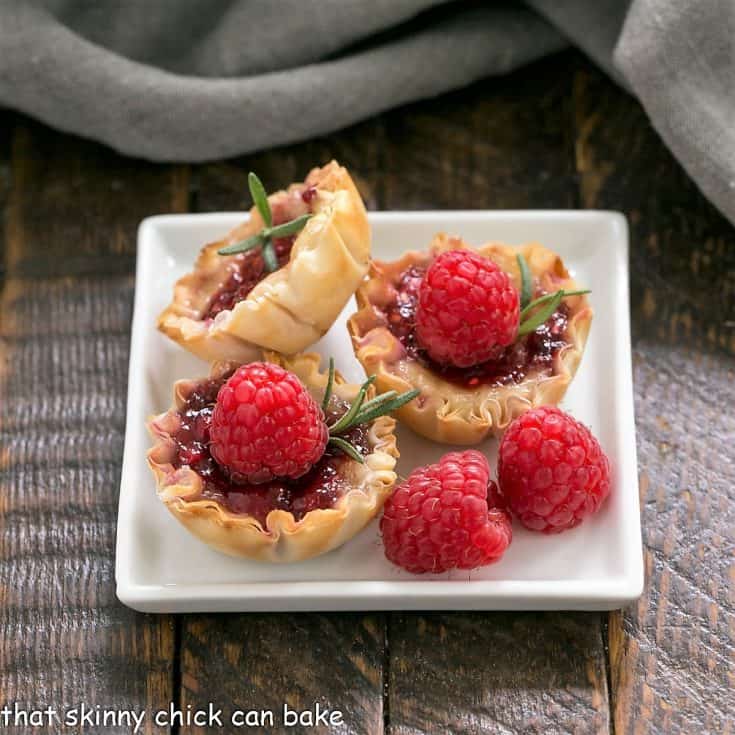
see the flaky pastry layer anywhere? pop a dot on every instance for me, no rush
(447, 412)
(293, 307)
(283, 539)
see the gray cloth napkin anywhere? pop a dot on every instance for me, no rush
(192, 80)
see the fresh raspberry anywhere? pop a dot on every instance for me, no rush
(444, 516)
(266, 425)
(551, 470)
(468, 309)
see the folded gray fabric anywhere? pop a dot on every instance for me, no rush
(192, 80)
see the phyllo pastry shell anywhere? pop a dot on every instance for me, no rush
(463, 406)
(270, 522)
(229, 307)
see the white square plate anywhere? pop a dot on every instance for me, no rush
(161, 568)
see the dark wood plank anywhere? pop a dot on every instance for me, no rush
(64, 321)
(361, 148)
(6, 124)
(265, 661)
(492, 673)
(671, 654)
(502, 143)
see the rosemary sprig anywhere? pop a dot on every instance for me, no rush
(347, 448)
(379, 399)
(531, 321)
(264, 238)
(345, 421)
(526, 282)
(260, 198)
(269, 256)
(387, 407)
(534, 322)
(330, 385)
(289, 228)
(240, 247)
(361, 411)
(549, 297)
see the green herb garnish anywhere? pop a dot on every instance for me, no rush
(526, 281)
(361, 411)
(530, 319)
(264, 238)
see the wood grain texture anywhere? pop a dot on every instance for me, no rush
(64, 322)
(672, 661)
(6, 122)
(503, 143)
(491, 673)
(263, 662)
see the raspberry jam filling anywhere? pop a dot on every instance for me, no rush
(321, 487)
(250, 267)
(530, 354)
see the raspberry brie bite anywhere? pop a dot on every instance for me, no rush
(483, 334)
(279, 280)
(275, 461)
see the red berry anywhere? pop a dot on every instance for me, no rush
(551, 470)
(468, 309)
(266, 425)
(444, 517)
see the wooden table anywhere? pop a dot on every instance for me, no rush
(557, 134)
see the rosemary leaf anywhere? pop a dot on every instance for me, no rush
(579, 292)
(346, 420)
(260, 198)
(347, 448)
(330, 385)
(384, 408)
(547, 297)
(526, 282)
(535, 321)
(382, 398)
(289, 228)
(242, 246)
(536, 302)
(269, 256)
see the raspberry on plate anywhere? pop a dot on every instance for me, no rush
(552, 471)
(468, 309)
(446, 516)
